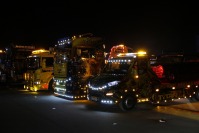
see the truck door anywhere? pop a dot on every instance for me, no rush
(144, 78)
(142, 66)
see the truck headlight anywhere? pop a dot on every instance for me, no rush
(113, 83)
(105, 86)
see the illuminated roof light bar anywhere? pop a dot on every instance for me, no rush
(126, 55)
(40, 51)
(141, 53)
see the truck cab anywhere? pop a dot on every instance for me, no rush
(39, 74)
(124, 81)
(76, 60)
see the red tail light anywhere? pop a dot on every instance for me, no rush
(158, 70)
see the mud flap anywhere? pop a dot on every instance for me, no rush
(196, 96)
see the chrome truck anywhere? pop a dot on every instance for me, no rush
(39, 74)
(77, 59)
(129, 79)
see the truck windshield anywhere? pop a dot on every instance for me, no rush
(33, 63)
(48, 61)
(61, 57)
(86, 52)
(117, 67)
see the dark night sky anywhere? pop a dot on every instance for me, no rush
(155, 26)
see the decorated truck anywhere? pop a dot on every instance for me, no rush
(12, 63)
(77, 59)
(130, 78)
(39, 74)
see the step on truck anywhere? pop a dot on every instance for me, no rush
(130, 78)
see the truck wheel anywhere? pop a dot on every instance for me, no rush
(197, 95)
(51, 86)
(128, 103)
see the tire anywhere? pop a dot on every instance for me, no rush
(51, 86)
(191, 99)
(197, 95)
(128, 103)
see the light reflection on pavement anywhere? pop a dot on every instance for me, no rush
(184, 108)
